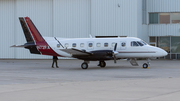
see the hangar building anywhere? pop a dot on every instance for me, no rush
(155, 21)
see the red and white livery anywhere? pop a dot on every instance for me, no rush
(88, 49)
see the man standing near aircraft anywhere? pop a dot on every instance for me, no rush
(55, 61)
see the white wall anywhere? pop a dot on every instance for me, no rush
(65, 18)
(142, 29)
(61, 18)
(11, 32)
(109, 19)
(163, 5)
(42, 18)
(164, 30)
(79, 18)
(71, 18)
(144, 34)
(7, 28)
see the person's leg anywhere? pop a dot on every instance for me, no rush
(56, 64)
(53, 64)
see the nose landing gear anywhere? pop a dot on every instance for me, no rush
(146, 65)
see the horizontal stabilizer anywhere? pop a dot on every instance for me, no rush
(22, 46)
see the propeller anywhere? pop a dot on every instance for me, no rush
(115, 53)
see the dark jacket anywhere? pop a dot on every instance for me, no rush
(55, 58)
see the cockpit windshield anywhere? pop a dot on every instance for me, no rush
(134, 43)
(144, 42)
(138, 43)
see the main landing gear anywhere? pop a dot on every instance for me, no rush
(102, 64)
(84, 65)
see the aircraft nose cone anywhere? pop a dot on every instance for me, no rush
(164, 53)
(160, 52)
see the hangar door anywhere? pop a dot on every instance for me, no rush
(72, 18)
(40, 12)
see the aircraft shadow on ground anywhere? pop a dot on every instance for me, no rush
(105, 68)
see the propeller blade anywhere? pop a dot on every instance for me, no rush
(115, 53)
(115, 47)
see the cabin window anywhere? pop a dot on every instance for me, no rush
(66, 45)
(113, 44)
(134, 43)
(105, 44)
(98, 44)
(123, 44)
(82, 45)
(74, 45)
(90, 44)
(58, 45)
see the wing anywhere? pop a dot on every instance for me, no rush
(76, 52)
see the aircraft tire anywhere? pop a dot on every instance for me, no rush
(84, 65)
(102, 64)
(145, 66)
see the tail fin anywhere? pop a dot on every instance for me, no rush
(35, 42)
(31, 45)
(30, 31)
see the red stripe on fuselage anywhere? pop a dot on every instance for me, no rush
(41, 44)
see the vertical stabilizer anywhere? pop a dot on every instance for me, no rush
(31, 45)
(33, 30)
(35, 42)
(26, 31)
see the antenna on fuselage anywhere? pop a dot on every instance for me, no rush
(58, 41)
(90, 36)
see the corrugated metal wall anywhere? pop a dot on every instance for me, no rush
(41, 14)
(164, 30)
(164, 6)
(114, 17)
(7, 29)
(71, 18)
(79, 18)
(65, 18)
(61, 18)
(10, 29)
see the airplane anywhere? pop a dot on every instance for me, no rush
(88, 49)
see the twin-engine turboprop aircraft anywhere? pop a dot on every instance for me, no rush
(88, 49)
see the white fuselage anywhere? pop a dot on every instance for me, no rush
(125, 47)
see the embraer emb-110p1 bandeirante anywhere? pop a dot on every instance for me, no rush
(88, 49)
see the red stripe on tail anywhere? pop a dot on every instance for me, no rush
(35, 33)
(41, 44)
